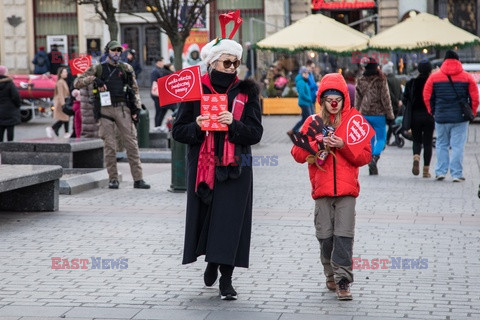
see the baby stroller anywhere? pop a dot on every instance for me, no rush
(399, 133)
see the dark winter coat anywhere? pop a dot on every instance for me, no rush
(41, 62)
(89, 124)
(414, 94)
(440, 97)
(395, 90)
(9, 103)
(221, 230)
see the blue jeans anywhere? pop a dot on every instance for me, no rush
(306, 112)
(450, 135)
(379, 124)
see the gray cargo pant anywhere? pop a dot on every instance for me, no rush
(128, 133)
(335, 229)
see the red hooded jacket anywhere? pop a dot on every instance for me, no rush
(340, 177)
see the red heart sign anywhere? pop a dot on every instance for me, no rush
(80, 65)
(180, 86)
(358, 129)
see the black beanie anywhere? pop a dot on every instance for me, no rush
(372, 65)
(425, 67)
(450, 54)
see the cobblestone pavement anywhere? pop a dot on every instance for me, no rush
(399, 216)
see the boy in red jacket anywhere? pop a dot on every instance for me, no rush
(342, 135)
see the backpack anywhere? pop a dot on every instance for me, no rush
(40, 61)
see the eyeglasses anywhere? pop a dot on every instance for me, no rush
(227, 63)
(117, 49)
(338, 100)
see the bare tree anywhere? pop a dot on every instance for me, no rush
(174, 23)
(106, 11)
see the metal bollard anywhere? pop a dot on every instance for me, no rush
(143, 128)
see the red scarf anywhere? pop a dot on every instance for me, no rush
(206, 157)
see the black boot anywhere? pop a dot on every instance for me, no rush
(211, 273)
(372, 166)
(226, 289)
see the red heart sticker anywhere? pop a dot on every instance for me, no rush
(180, 84)
(80, 64)
(357, 129)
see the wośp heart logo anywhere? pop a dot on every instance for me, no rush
(357, 129)
(179, 85)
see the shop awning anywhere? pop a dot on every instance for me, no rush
(316, 32)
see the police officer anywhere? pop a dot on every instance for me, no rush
(119, 104)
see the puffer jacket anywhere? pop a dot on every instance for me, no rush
(339, 176)
(89, 124)
(9, 103)
(439, 95)
(304, 94)
(372, 97)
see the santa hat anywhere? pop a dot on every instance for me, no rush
(215, 48)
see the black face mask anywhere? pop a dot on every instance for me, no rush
(221, 80)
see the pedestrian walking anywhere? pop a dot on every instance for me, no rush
(422, 123)
(312, 83)
(350, 79)
(61, 93)
(118, 105)
(335, 184)
(9, 105)
(444, 92)
(372, 99)
(41, 62)
(304, 98)
(395, 91)
(219, 188)
(160, 70)
(131, 60)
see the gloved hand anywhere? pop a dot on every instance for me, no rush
(315, 128)
(301, 140)
(99, 82)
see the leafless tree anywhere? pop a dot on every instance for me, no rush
(106, 11)
(174, 23)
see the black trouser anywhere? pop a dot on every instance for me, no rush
(57, 125)
(422, 134)
(9, 132)
(161, 111)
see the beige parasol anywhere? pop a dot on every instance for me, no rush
(316, 32)
(421, 31)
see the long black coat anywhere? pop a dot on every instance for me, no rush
(9, 103)
(221, 230)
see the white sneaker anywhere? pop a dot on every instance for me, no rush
(67, 135)
(50, 132)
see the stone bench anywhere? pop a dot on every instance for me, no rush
(68, 153)
(29, 187)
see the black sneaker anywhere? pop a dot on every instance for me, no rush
(113, 184)
(140, 184)
(226, 289)
(211, 273)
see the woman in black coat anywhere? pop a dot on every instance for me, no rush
(9, 105)
(422, 124)
(219, 196)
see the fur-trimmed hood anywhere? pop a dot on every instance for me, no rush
(249, 87)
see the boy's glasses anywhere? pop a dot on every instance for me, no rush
(117, 49)
(227, 63)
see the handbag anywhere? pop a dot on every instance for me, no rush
(67, 108)
(154, 90)
(467, 112)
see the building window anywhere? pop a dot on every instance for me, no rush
(56, 17)
(463, 14)
(133, 6)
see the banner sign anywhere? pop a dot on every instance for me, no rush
(180, 86)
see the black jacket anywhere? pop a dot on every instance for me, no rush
(9, 103)
(220, 230)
